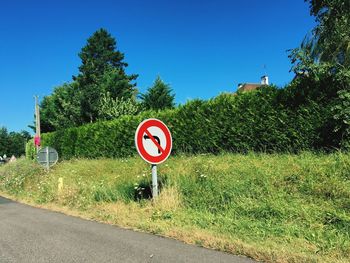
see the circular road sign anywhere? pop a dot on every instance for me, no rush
(47, 157)
(153, 141)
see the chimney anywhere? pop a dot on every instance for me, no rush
(265, 80)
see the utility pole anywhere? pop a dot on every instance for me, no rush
(37, 120)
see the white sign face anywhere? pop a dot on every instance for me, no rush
(153, 141)
(149, 145)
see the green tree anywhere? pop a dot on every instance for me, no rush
(102, 70)
(13, 143)
(17, 142)
(158, 97)
(61, 109)
(330, 39)
(113, 108)
(322, 64)
(4, 141)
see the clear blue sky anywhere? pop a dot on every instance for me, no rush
(200, 47)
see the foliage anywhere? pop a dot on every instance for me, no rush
(326, 84)
(61, 109)
(4, 140)
(322, 68)
(102, 70)
(267, 120)
(341, 110)
(342, 114)
(158, 97)
(330, 39)
(272, 207)
(12, 143)
(30, 150)
(114, 108)
(117, 84)
(98, 55)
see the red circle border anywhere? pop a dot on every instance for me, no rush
(141, 149)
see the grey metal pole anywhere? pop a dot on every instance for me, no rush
(154, 181)
(47, 159)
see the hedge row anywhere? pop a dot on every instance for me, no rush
(252, 121)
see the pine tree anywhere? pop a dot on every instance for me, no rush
(102, 70)
(158, 97)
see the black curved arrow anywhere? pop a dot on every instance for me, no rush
(155, 137)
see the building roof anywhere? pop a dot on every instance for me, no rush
(248, 86)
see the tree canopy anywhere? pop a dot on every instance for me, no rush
(98, 54)
(329, 41)
(322, 65)
(13, 143)
(102, 71)
(158, 97)
(62, 108)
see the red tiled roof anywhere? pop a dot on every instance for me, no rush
(249, 86)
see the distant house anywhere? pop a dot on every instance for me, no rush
(253, 86)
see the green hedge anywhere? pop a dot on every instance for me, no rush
(251, 121)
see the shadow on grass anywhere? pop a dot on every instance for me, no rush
(127, 192)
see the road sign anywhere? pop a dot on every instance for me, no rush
(153, 141)
(47, 157)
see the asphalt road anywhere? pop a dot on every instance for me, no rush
(30, 234)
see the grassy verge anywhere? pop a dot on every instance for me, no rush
(275, 208)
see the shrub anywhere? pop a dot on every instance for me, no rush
(30, 150)
(113, 108)
(265, 120)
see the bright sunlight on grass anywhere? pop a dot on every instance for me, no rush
(281, 208)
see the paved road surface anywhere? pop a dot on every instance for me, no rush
(30, 234)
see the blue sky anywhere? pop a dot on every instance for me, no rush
(202, 48)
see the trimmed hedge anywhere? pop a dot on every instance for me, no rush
(251, 121)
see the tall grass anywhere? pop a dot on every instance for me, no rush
(277, 208)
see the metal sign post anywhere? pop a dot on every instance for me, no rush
(154, 143)
(47, 158)
(154, 181)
